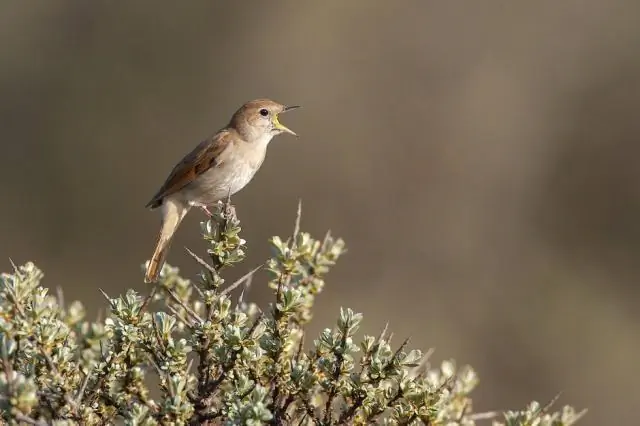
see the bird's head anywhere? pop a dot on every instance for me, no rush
(259, 118)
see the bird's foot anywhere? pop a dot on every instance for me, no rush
(230, 211)
(227, 209)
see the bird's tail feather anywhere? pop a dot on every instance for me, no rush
(172, 216)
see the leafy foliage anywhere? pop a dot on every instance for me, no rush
(216, 361)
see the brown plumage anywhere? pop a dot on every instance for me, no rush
(219, 166)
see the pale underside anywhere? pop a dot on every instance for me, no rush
(237, 166)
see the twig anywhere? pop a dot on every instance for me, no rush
(347, 415)
(201, 261)
(423, 366)
(310, 411)
(187, 309)
(83, 388)
(22, 418)
(175, 312)
(152, 293)
(409, 420)
(232, 361)
(155, 365)
(103, 373)
(206, 389)
(336, 375)
(296, 228)
(483, 416)
(462, 412)
(240, 280)
(60, 297)
(282, 410)
(545, 409)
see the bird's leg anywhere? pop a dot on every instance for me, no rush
(206, 210)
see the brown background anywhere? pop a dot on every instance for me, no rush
(479, 158)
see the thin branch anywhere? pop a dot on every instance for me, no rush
(201, 261)
(465, 406)
(152, 293)
(423, 366)
(50, 363)
(22, 418)
(206, 390)
(296, 228)
(241, 280)
(103, 373)
(382, 334)
(187, 309)
(400, 349)
(83, 388)
(302, 419)
(335, 377)
(232, 361)
(60, 297)
(178, 315)
(545, 409)
(409, 420)
(155, 365)
(310, 411)
(483, 416)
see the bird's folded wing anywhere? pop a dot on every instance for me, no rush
(206, 155)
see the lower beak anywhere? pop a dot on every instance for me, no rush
(281, 126)
(285, 129)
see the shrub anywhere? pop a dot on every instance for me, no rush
(201, 358)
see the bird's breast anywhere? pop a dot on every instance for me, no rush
(227, 177)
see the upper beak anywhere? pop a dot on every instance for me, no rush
(281, 126)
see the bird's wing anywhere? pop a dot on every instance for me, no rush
(202, 158)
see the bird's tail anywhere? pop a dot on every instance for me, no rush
(172, 215)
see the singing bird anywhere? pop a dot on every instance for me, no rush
(218, 167)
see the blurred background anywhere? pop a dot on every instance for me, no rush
(479, 158)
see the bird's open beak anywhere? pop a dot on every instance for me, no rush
(282, 127)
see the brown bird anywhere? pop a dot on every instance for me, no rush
(218, 167)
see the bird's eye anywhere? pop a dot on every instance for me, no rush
(264, 112)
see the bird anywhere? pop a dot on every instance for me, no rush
(218, 167)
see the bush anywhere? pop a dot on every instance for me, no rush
(201, 358)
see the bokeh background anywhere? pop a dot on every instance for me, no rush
(479, 158)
